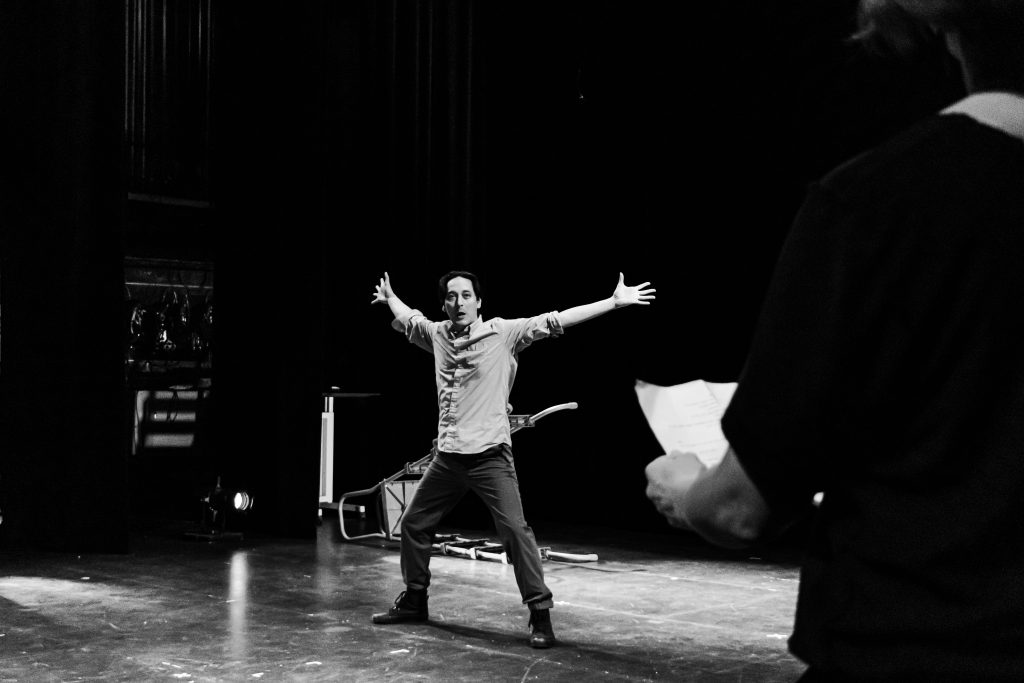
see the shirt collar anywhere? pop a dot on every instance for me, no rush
(1001, 110)
(467, 331)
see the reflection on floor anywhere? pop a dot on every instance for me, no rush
(657, 607)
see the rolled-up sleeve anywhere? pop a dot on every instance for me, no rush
(416, 328)
(525, 331)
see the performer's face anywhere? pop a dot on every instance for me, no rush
(461, 303)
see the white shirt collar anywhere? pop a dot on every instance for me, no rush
(1001, 110)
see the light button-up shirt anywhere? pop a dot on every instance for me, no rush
(474, 372)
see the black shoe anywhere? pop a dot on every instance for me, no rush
(542, 634)
(410, 606)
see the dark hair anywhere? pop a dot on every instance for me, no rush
(442, 285)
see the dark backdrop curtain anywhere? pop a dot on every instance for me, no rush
(406, 126)
(270, 167)
(349, 140)
(432, 78)
(63, 423)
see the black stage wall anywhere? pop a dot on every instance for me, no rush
(545, 146)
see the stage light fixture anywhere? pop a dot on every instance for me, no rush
(242, 501)
(222, 512)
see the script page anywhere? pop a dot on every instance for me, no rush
(687, 417)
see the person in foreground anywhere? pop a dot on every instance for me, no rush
(475, 362)
(887, 372)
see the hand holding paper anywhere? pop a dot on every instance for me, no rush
(686, 417)
(669, 477)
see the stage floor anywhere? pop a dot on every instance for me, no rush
(654, 607)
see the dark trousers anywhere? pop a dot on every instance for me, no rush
(492, 476)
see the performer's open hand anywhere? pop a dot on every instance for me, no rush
(625, 295)
(383, 291)
(669, 477)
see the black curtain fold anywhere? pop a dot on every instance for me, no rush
(408, 193)
(63, 425)
(434, 96)
(271, 167)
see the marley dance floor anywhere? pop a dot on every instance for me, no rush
(654, 607)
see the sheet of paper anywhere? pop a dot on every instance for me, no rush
(687, 417)
(722, 391)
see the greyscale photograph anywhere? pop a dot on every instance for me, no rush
(473, 340)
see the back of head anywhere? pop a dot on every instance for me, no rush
(946, 14)
(989, 34)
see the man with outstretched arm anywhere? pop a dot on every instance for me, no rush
(475, 362)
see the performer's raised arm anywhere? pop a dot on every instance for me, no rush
(624, 295)
(383, 294)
